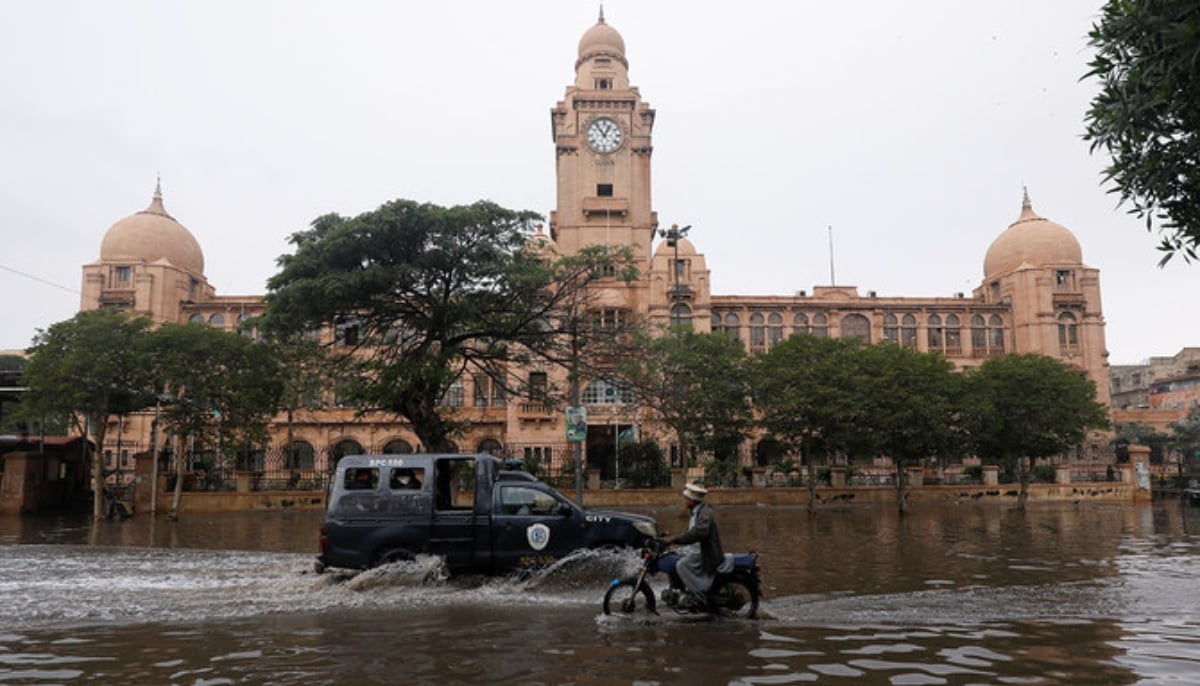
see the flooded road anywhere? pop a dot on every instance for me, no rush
(974, 594)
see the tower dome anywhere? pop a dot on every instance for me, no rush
(1031, 240)
(601, 38)
(150, 236)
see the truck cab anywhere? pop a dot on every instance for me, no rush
(468, 509)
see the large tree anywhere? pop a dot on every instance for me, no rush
(699, 385)
(221, 389)
(90, 368)
(911, 406)
(1147, 113)
(1025, 406)
(421, 295)
(807, 391)
(1185, 438)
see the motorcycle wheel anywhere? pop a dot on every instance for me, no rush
(736, 599)
(624, 597)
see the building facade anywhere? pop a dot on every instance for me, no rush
(1036, 294)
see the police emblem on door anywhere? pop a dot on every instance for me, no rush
(538, 536)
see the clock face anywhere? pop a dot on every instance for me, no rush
(604, 135)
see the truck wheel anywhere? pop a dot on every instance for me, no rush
(390, 555)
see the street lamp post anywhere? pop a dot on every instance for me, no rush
(672, 235)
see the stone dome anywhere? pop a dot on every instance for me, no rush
(601, 38)
(150, 236)
(540, 243)
(686, 247)
(1031, 240)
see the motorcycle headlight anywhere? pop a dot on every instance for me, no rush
(646, 528)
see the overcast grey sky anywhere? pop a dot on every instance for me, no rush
(910, 128)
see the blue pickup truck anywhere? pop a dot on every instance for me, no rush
(468, 509)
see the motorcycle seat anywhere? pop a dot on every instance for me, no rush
(736, 561)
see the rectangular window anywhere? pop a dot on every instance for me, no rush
(480, 386)
(537, 385)
(122, 274)
(454, 394)
(604, 190)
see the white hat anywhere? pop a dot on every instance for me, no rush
(695, 492)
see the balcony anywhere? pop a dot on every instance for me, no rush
(117, 298)
(535, 412)
(605, 206)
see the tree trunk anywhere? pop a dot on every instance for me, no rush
(811, 478)
(901, 488)
(1023, 478)
(98, 495)
(177, 499)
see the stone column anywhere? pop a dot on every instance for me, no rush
(991, 475)
(837, 477)
(1062, 474)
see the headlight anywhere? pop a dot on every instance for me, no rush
(646, 528)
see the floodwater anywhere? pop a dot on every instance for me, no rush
(974, 594)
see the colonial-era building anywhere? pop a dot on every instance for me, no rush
(1036, 294)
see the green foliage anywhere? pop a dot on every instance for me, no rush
(806, 390)
(87, 369)
(1140, 434)
(700, 385)
(1147, 113)
(1185, 438)
(220, 388)
(643, 465)
(910, 405)
(1043, 473)
(422, 294)
(1029, 406)
(974, 472)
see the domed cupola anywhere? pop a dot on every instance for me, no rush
(601, 39)
(1033, 241)
(542, 244)
(151, 236)
(601, 64)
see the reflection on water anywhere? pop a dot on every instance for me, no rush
(955, 595)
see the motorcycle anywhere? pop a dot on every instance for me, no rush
(735, 591)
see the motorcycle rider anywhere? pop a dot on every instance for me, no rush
(702, 553)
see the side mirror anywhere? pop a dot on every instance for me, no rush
(564, 509)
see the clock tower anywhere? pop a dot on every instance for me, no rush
(602, 138)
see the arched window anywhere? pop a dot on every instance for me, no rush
(196, 319)
(490, 446)
(1068, 333)
(344, 448)
(820, 325)
(953, 335)
(454, 394)
(397, 446)
(857, 326)
(996, 333)
(681, 316)
(733, 324)
(891, 328)
(758, 333)
(908, 331)
(800, 323)
(933, 328)
(978, 336)
(774, 328)
(217, 321)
